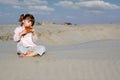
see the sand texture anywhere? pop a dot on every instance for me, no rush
(81, 52)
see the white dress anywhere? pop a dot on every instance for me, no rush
(27, 42)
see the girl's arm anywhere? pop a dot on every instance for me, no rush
(18, 34)
(34, 37)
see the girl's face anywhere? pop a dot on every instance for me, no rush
(27, 23)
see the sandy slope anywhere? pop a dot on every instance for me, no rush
(85, 52)
(97, 60)
(66, 35)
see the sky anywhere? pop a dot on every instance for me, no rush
(60, 11)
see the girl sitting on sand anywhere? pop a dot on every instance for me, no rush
(26, 36)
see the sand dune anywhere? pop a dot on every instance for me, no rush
(81, 52)
(96, 60)
(67, 35)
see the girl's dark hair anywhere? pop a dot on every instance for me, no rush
(27, 16)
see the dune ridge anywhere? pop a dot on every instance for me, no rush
(81, 52)
(67, 34)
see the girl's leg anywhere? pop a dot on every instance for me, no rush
(31, 54)
(24, 55)
(21, 50)
(38, 50)
(21, 55)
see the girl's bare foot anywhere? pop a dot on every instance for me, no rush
(21, 55)
(32, 54)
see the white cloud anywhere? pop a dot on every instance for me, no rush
(9, 1)
(89, 0)
(17, 7)
(96, 5)
(23, 2)
(34, 2)
(70, 17)
(39, 12)
(65, 4)
(88, 5)
(41, 8)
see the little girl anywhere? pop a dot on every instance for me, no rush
(26, 36)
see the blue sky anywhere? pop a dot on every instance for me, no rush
(59, 11)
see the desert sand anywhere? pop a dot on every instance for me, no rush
(74, 52)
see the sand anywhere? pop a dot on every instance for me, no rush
(83, 52)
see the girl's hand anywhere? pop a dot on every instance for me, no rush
(28, 29)
(22, 33)
(33, 31)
